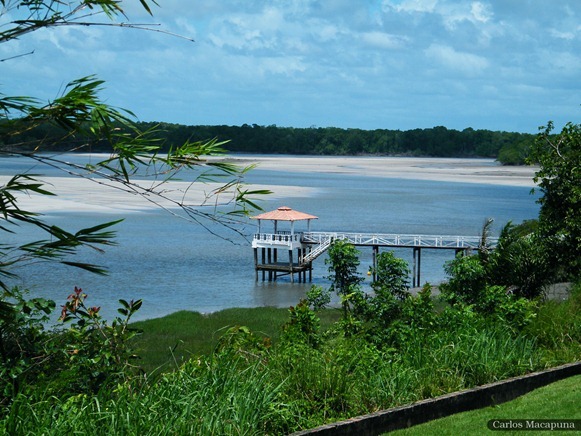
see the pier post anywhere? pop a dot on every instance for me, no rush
(290, 262)
(310, 267)
(275, 261)
(300, 255)
(417, 266)
(375, 254)
(263, 261)
(269, 262)
(256, 264)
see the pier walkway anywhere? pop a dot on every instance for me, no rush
(311, 245)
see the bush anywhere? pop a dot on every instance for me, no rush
(88, 356)
(303, 325)
(467, 281)
(23, 341)
(502, 307)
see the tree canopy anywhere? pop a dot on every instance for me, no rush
(508, 147)
(559, 179)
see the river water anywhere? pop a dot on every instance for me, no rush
(175, 265)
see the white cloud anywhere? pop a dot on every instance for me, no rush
(324, 32)
(564, 62)
(476, 13)
(412, 5)
(459, 61)
(383, 40)
(481, 12)
(570, 36)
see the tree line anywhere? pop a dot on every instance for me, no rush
(507, 147)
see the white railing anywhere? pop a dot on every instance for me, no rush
(282, 238)
(395, 240)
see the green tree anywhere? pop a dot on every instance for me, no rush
(390, 291)
(515, 153)
(392, 275)
(519, 261)
(343, 261)
(559, 179)
(467, 280)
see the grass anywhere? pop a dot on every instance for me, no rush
(169, 341)
(559, 400)
(298, 384)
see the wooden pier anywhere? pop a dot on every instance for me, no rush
(310, 245)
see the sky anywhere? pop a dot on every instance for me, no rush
(509, 65)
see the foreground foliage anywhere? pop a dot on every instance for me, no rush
(387, 349)
(309, 375)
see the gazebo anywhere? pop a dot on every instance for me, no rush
(271, 243)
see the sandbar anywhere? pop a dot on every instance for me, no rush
(484, 171)
(84, 195)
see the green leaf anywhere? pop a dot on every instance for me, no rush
(87, 267)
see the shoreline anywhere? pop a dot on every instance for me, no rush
(460, 170)
(84, 195)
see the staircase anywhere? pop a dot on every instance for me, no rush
(316, 252)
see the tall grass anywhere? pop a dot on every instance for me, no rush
(169, 341)
(210, 397)
(293, 385)
(558, 329)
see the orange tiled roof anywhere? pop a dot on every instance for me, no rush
(285, 213)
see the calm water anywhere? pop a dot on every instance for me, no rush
(174, 265)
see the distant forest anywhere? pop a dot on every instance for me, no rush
(506, 147)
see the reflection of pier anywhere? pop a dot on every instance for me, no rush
(310, 245)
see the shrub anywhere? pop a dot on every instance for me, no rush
(88, 356)
(96, 353)
(520, 261)
(501, 306)
(303, 325)
(392, 276)
(467, 280)
(557, 328)
(23, 340)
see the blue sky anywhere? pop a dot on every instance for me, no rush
(395, 64)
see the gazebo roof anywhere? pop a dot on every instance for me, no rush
(285, 213)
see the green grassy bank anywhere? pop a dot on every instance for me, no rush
(168, 342)
(559, 400)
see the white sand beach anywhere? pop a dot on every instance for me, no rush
(84, 195)
(485, 171)
(76, 194)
